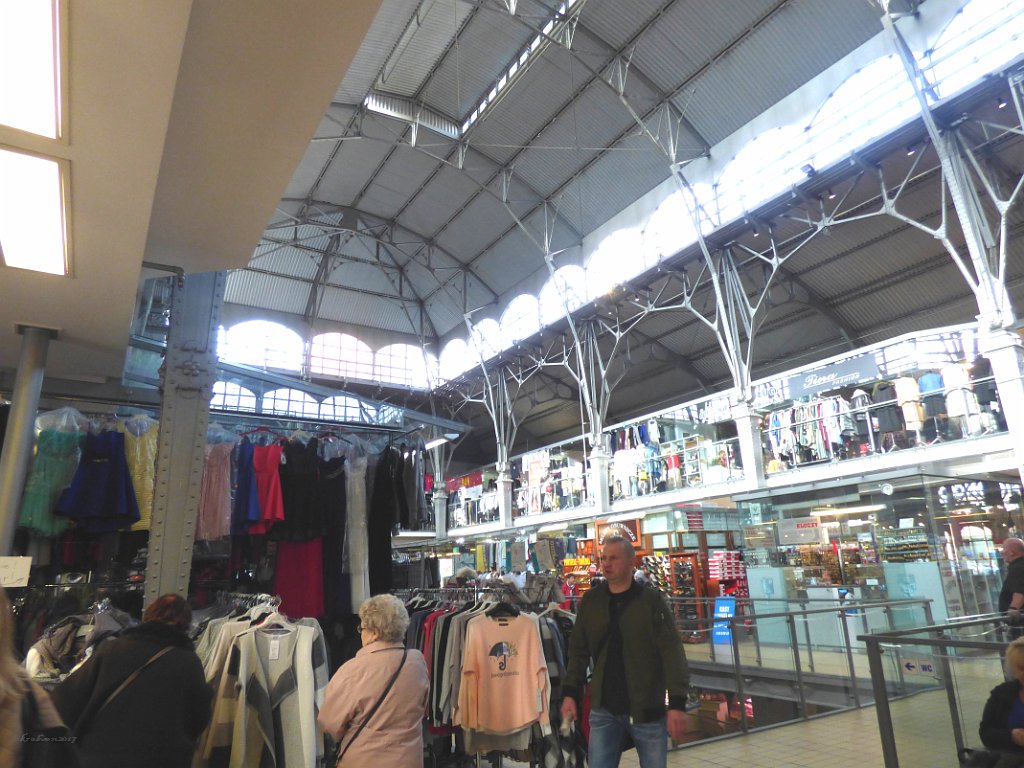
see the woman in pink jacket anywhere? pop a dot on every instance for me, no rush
(375, 703)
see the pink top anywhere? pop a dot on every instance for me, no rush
(504, 685)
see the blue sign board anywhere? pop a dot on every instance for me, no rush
(721, 631)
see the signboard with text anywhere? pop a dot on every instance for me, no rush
(721, 631)
(844, 373)
(627, 529)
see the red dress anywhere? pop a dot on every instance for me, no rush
(267, 463)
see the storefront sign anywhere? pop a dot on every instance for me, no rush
(843, 373)
(581, 562)
(721, 631)
(471, 480)
(627, 529)
(801, 530)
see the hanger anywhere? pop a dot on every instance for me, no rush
(502, 609)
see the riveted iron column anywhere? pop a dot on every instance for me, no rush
(188, 375)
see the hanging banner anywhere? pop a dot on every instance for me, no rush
(844, 373)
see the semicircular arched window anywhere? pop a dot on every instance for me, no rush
(340, 355)
(520, 320)
(769, 164)
(346, 408)
(982, 37)
(619, 257)
(456, 358)
(566, 289)
(228, 396)
(291, 402)
(402, 364)
(487, 338)
(669, 230)
(262, 344)
(873, 101)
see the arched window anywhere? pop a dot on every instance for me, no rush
(262, 344)
(766, 166)
(456, 359)
(668, 231)
(872, 102)
(401, 364)
(341, 355)
(567, 288)
(228, 396)
(345, 408)
(290, 402)
(619, 257)
(520, 320)
(983, 36)
(487, 338)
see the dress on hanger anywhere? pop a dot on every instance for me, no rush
(246, 508)
(101, 498)
(140, 450)
(266, 462)
(55, 462)
(214, 519)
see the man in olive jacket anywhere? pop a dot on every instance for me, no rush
(629, 633)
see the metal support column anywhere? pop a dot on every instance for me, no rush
(19, 437)
(748, 429)
(598, 481)
(188, 375)
(505, 498)
(440, 502)
(1005, 351)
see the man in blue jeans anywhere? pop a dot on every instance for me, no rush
(626, 632)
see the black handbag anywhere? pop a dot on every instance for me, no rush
(45, 747)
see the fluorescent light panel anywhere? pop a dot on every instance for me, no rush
(847, 510)
(29, 85)
(436, 443)
(32, 232)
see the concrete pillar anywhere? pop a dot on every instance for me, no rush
(748, 429)
(189, 373)
(505, 498)
(440, 502)
(597, 483)
(20, 435)
(1005, 351)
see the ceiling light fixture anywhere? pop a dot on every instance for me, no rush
(436, 443)
(1001, 104)
(828, 512)
(831, 195)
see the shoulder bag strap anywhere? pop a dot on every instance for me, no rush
(387, 690)
(131, 678)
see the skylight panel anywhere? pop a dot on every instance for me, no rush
(33, 234)
(29, 67)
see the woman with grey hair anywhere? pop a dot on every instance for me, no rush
(375, 703)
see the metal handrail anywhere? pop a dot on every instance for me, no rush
(934, 639)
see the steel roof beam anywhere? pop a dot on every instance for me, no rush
(595, 77)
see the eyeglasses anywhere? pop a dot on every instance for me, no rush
(359, 627)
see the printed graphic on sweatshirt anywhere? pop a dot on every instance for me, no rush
(501, 653)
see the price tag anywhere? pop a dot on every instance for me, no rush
(14, 571)
(275, 649)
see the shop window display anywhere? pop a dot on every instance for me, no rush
(915, 408)
(548, 481)
(667, 454)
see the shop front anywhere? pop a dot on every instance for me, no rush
(910, 537)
